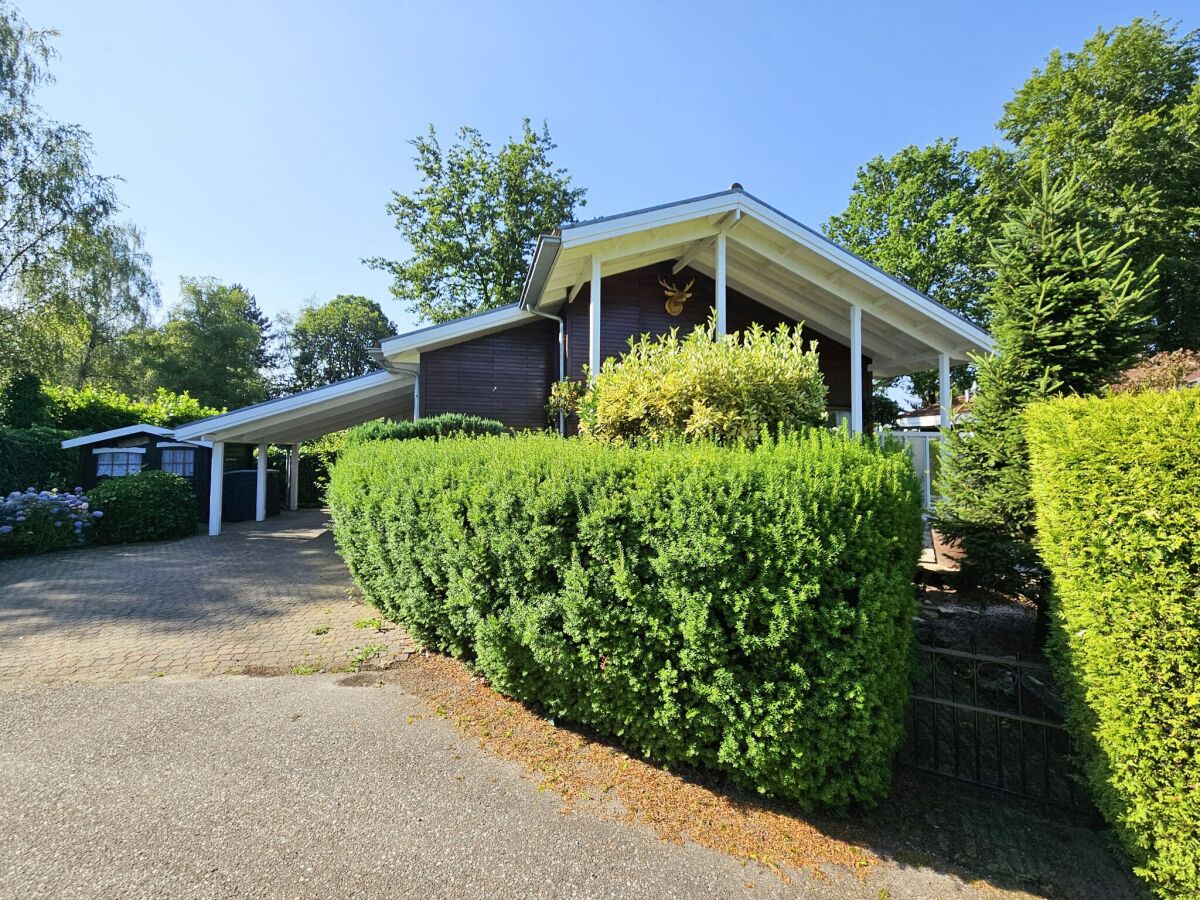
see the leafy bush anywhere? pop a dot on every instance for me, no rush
(34, 457)
(746, 610)
(1116, 485)
(95, 409)
(433, 427)
(23, 402)
(148, 506)
(39, 521)
(727, 389)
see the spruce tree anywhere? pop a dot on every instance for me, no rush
(1069, 313)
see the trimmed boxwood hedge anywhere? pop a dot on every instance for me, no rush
(1116, 483)
(148, 506)
(443, 425)
(745, 610)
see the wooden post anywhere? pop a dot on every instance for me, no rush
(945, 395)
(722, 318)
(216, 487)
(594, 319)
(260, 485)
(856, 379)
(294, 477)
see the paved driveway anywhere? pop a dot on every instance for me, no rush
(269, 596)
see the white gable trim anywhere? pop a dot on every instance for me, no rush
(116, 433)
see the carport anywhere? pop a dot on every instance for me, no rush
(289, 421)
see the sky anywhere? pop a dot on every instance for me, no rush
(259, 142)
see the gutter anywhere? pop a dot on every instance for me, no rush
(544, 257)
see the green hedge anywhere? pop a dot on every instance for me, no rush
(742, 610)
(33, 457)
(433, 427)
(90, 410)
(148, 506)
(1116, 483)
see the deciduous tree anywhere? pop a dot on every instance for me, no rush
(473, 220)
(329, 342)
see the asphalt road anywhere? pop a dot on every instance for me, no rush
(300, 787)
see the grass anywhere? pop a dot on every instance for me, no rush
(360, 656)
(322, 629)
(375, 622)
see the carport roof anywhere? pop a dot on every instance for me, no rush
(308, 414)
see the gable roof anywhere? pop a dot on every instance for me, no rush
(770, 256)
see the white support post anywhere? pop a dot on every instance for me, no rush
(417, 396)
(856, 379)
(722, 319)
(216, 487)
(594, 319)
(945, 396)
(260, 485)
(294, 477)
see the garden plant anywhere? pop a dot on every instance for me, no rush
(746, 610)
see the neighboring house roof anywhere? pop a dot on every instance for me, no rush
(116, 434)
(931, 416)
(309, 414)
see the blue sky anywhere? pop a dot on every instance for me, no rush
(259, 142)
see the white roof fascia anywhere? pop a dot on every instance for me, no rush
(454, 331)
(116, 433)
(309, 400)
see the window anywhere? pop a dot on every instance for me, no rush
(838, 417)
(179, 462)
(113, 463)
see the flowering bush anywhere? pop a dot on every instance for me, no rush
(34, 521)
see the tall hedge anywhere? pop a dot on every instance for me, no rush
(743, 610)
(1116, 485)
(439, 426)
(33, 457)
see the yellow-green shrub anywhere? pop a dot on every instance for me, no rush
(728, 389)
(1116, 484)
(745, 610)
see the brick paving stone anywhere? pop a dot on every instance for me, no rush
(247, 599)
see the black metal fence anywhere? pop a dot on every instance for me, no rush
(993, 721)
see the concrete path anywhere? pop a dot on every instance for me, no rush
(262, 596)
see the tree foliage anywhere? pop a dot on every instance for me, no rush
(923, 216)
(1123, 114)
(210, 345)
(89, 297)
(47, 186)
(473, 220)
(329, 342)
(1069, 314)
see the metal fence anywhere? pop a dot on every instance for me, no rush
(992, 721)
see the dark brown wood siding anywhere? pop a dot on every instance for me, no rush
(504, 376)
(634, 304)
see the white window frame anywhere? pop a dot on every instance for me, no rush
(189, 463)
(130, 451)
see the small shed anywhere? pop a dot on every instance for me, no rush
(142, 447)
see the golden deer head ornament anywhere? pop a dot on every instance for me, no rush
(676, 297)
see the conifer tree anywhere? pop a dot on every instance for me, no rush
(1069, 313)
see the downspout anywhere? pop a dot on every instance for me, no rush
(401, 369)
(562, 356)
